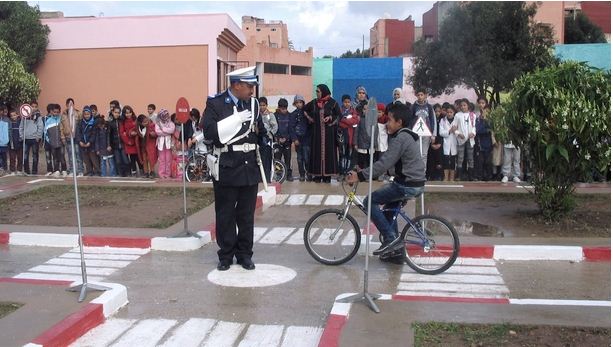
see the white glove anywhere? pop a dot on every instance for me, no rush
(245, 116)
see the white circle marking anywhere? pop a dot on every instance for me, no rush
(264, 275)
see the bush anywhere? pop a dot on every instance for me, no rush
(16, 84)
(561, 115)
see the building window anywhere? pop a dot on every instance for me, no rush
(273, 29)
(273, 45)
(258, 29)
(247, 28)
(276, 68)
(301, 70)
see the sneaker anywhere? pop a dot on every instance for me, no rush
(290, 178)
(70, 174)
(516, 179)
(388, 246)
(394, 257)
(49, 174)
(80, 174)
(11, 174)
(505, 179)
(64, 173)
(56, 174)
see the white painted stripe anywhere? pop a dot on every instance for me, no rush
(296, 199)
(349, 238)
(526, 187)
(112, 300)
(528, 252)
(454, 287)
(444, 186)
(104, 334)
(43, 239)
(341, 308)
(301, 336)
(281, 199)
(120, 257)
(324, 237)
(145, 333)
(258, 232)
(102, 271)
(297, 238)
(459, 262)
(560, 302)
(452, 295)
(190, 333)
(276, 235)
(45, 180)
(112, 250)
(334, 200)
(224, 334)
(451, 278)
(126, 181)
(479, 270)
(385, 297)
(1, 190)
(262, 336)
(314, 200)
(88, 262)
(57, 277)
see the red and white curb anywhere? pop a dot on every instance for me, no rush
(76, 324)
(339, 315)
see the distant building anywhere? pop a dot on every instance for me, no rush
(138, 60)
(284, 71)
(599, 12)
(392, 38)
(432, 19)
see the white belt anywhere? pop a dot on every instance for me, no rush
(245, 147)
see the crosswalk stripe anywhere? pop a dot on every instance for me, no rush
(314, 199)
(276, 235)
(111, 250)
(334, 200)
(145, 333)
(72, 270)
(296, 199)
(301, 336)
(88, 262)
(258, 232)
(224, 334)
(262, 336)
(453, 294)
(280, 200)
(100, 256)
(297, 238)
(190, 333)
(104, 334)
(451, 278)
(57, 277)
(477, 270)
(454, 287)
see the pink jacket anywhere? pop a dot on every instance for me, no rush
(164, 132)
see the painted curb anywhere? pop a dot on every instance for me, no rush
(339, 314)
(180, 244)
(78, 323)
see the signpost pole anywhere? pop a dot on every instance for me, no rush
(24, 111)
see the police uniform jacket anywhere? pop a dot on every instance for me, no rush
(236, 168)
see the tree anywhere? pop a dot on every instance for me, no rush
(16, 84)
(562, 116)
(484, 45)
(21, 29)
(356, 54)
(579, 29)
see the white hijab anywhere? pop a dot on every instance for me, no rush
(401, 98)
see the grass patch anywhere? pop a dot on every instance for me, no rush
(8, 307)
(432, 334)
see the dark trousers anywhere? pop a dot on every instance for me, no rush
(303, 156)
(91, 162)
(134, 163)
(363, 160)
(266, 156)
(234, 207)
(57, 155)
(483, 165)
(16, 159)
(3, 158)
(285, 151)
(122, 162)
(33, 144)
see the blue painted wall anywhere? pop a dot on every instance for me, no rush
(378, 75)
(595, 54)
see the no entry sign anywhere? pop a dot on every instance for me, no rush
(25, 110)
(182, 110)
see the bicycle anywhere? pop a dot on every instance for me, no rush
(196, 169)
(279, 173)
(431, 244)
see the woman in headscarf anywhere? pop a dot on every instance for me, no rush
(323, 114)
(363, 137)
(397, 97)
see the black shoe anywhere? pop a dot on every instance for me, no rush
(224, 265)
(388, 246)
(290, 178)
(309, 178)
(394, 257)
(301, 179)
(246, 263)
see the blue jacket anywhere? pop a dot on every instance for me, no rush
(4, 132)
(287, 125)
(301, 129)
(484, 134)
(86, 133)
(14, 139)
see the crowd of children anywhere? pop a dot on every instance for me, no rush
(117, 144)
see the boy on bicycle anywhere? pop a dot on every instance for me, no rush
(404, 157)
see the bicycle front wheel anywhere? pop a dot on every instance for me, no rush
(331, 239)
(279, 171)
(433, 247)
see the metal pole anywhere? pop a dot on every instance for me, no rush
(186, 231)
(421, 151)
(23, 158)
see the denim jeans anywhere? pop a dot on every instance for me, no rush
(77, 156)
(303, 155)
(31, 143)
(122, 162)
(389, 195)
(111, 161)
(4, 158)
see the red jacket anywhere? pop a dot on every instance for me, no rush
(147, 144)
(129, 136)
(349, 123)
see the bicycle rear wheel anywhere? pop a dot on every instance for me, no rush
(196, 169)
(279, 171)
(434, 247)
(330, 239)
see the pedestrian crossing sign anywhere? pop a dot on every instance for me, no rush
(421, 128)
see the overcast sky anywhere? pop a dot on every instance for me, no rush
(330, 27)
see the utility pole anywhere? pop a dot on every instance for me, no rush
(362, 45)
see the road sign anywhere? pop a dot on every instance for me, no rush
(25, 110)
(182, 110)
(421, 128)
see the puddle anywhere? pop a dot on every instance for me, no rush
(476, 229)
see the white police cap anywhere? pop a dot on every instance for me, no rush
(246, 75)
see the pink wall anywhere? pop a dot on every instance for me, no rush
(551, 12)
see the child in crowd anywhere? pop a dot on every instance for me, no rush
(363, 131)
(151, 113)
(483, 144)
(466, 132)
(15, 144)
(434, 170)
(422, 109)
(271, 126)
(147, 138)
(447, 130)
(129, 138)
(115, 125)
(347, 125)
(164, 129)
(32, 129)
(381, 141)
(102, 145)
(512, 157)
(285, 135)
(4, 139)
(112, 105)
(94, 109)
(303, 139)
(55, 141)
(86, 136)
(69, 122)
